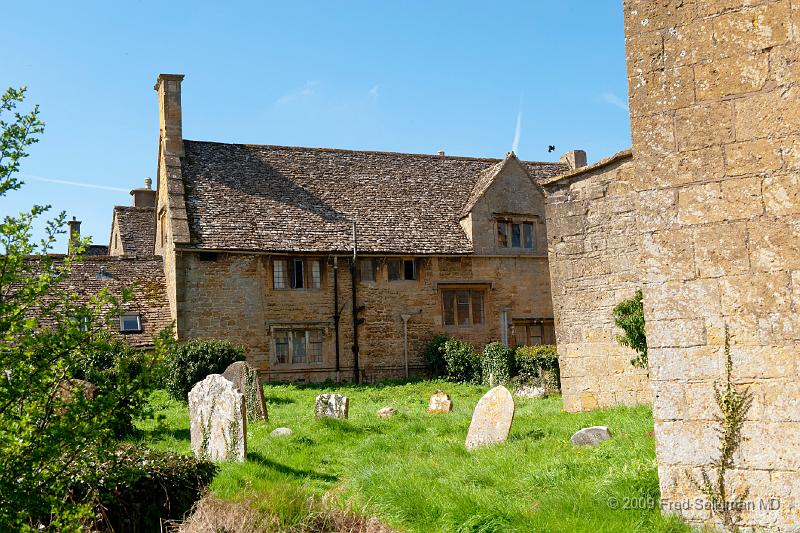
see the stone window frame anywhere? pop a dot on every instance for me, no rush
(504, 230)
(484, 289)
(312, 268)
(288, 327)
(546, 325)
(405, 263)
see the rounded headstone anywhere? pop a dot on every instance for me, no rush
(245, 378)
(530, 391)
(387, 412)
(491, 420)
(281, 432)
(591, 436)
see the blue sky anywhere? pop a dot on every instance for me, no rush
(393, 76)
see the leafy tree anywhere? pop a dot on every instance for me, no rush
(629, 317)
(51, 431)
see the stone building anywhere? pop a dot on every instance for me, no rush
(257, 243)
(715, 122)
(594, 264)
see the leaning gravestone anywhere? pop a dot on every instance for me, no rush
(491, 420)
(440, 402)
(332, 406)
(591, 436)
(245, 378)
(217, 420)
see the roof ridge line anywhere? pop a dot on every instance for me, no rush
(376, 152)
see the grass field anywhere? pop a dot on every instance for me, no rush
(413, 473)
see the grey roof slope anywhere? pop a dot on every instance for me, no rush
(289, 199)
(137, 229)
(145, 275)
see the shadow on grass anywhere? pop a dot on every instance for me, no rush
(278, 400)
(534, 434)
(163, 432)
(288, 470)
(342, 426)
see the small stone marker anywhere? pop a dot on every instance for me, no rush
(440, 403)
(591, 436)
(281, 432)
(530, 391)
(217, 421)
(387, 412)
(245, 378)
(491, 420)
(332, 406)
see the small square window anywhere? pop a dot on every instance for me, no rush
(402, 269)
(130, 324)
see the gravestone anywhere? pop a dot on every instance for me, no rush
(281, 432)
(491, 420)
(245, 378)
(591, 436)
(530, 391)
(387, 412)
(217, 420)
(332, 406)
(440, 403)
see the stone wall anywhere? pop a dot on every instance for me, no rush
(594, 251)
(231, 296)
(715, 118)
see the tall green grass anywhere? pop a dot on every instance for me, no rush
(413, 472)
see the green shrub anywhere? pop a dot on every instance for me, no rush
(537, 365)
(136, 488)
(193, 361)
(497, 364)
(629, 317)
(434, 355)
(463, 363)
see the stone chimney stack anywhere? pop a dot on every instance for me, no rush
(145, 197)
(575, 159)
(168, 87)
(74, 234)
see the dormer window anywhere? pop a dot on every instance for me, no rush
(515, 234)
(130, 323)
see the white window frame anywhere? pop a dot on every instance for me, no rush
(124, 316)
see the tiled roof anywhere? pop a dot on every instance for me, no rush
(97, 249)
(137, 229)
(145, 276)
(588, 169)
(287, 199)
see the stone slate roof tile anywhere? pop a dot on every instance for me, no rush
(137, 229)
(145, 276)
(289, 199)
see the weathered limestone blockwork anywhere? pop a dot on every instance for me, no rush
(715, 119)
(594, 251)
(228, 295)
